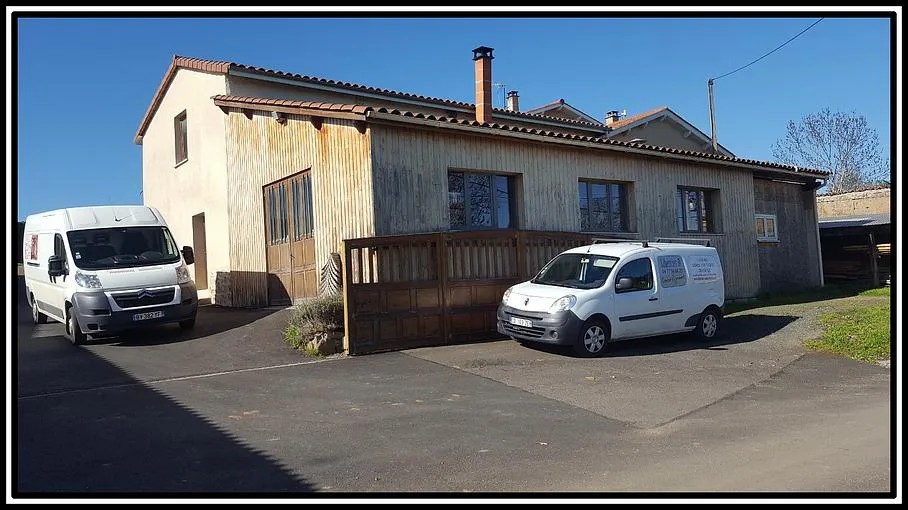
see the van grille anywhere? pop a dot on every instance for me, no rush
(532, 332)
(148, 297)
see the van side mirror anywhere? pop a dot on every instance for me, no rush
(55, 266)
(188, 255)
(624, 284)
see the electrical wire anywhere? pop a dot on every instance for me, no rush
(771, 52)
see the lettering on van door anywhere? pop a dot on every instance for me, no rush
(704, 269)
(671, 271)
(34, 248)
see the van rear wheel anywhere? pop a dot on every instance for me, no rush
(592, 339)
(73, 331)
(708, 324)
(37, 316)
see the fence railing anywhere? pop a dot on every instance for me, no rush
(433, 289)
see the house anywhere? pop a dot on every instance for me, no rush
(660, 126)
(268, 173)
(856, 234)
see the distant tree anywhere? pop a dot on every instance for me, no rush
(842, 144)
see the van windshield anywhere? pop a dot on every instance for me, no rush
(108, 248)
(576, 270)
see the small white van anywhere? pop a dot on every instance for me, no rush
(103, 270)
(589, 296)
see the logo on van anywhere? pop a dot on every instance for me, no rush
(144, 293)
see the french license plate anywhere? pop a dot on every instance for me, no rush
(147, 315)
(522, 322)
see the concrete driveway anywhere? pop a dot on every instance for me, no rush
(229, 409)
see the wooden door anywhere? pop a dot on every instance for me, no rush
(289, 241)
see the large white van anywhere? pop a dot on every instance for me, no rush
(589, 296)
(103, 270)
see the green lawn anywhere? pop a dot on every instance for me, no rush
(860, 333)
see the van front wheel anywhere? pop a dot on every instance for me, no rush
(592, 339)
(73, 331)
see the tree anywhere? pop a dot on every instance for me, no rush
(840, 143)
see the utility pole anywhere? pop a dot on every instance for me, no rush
(712, 116)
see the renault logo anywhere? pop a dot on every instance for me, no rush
(144, 293)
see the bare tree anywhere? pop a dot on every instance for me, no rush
(842, 144)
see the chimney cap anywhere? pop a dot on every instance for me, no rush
(482, 52)
(612, 113)
(512, 93)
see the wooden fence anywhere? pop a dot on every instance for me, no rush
(435, 289)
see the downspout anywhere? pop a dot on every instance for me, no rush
(816, 224)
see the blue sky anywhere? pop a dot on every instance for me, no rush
(85, 83)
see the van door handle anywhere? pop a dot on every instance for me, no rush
(654, 298)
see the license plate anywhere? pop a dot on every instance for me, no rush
(522, 322)
(147, 315)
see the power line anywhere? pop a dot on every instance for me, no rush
(771, 52)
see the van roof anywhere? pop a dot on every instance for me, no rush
(103, 216)
(623, 249)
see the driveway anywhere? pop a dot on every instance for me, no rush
(229, 408)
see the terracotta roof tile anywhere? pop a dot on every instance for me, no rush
(223, 67)
(360, 109)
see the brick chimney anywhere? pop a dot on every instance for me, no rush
(483, 58)
(611, 117)
(513, 104)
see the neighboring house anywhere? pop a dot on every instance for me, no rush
(269, 172)
(663, 127)
(660, 126)
(856, 234)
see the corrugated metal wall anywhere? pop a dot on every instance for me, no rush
(410, 182)
(260, 151)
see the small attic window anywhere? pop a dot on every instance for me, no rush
(179, 135)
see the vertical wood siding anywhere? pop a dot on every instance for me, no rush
(793, 262)
(410, 169)
(260, 151)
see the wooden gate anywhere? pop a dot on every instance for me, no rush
(434, 289)
(289, 241)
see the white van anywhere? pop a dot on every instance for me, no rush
(589, 296)
(103, 270)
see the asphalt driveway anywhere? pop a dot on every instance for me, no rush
(228, 408)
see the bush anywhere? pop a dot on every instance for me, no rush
(318, 315)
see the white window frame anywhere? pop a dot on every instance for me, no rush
(766, 237)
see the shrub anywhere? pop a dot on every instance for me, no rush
(318, 315)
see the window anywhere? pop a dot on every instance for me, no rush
(301, 202)
(766, 227)
(640, 271)
(481, 201)
(694, 210)
(603, 206)
(277, 213)
(179, 134)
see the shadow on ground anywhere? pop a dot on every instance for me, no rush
(132, 438)
(733, 330)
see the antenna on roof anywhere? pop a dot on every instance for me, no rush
(501, 87)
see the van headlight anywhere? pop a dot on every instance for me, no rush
(89, 281)
(183, 274)
(563, 303)
(504, 298)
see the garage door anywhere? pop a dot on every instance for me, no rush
(289, 241)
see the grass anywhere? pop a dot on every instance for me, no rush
(860, 333)
(830, 291)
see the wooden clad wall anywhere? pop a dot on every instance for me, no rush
(410, 168)
(792, 263)
(260, 151)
